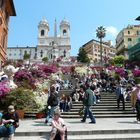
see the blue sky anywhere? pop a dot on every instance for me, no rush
(84, 17)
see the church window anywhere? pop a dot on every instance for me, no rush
(129, 39)
(52, 43)
(64, 32)
(1, 3)
(42, 32)
(7, 17)
(138, 32)
(41, 53)
(64, 53)
(51, 56)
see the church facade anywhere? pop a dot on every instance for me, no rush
(52, 47)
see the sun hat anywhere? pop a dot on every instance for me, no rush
(11, 108)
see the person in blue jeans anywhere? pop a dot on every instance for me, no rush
(10, 122)
(88, 102)
(3, 130)
(52, 104)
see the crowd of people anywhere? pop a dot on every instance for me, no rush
(87, 89)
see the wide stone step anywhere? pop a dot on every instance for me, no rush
(135, 136)
(106, 137)
(101, 109)
(120, 115)
(102, 106)
(101, 112)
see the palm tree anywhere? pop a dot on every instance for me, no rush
(100, 33)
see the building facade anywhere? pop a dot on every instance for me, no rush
(92, 49)
(6, 10)
(52, 47)
(134, 52)
(127, 38)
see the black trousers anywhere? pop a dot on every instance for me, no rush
(121, 98)
(138, 110)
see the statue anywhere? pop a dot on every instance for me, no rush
(9, 70)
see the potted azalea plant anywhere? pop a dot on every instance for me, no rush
(42, 113)
(23, 99)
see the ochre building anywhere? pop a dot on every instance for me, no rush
(127, 38)
(7, 9)
(92, 49)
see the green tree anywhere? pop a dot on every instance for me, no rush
(26, 56)
(100, 33)
(118, 60)
(45, 59)
(82, 56)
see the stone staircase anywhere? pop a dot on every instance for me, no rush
(112, 124)
(106, 108)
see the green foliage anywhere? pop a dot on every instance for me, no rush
(82, 56)
(45, 59)
(100, 32)
(137, 80)
(118, 60)
(22, 99)
(26, 56)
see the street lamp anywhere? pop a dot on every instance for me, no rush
(100, 33)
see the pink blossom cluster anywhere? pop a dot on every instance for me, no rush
(24, 76)
(4, 89)
(136, 72)
(120, 71)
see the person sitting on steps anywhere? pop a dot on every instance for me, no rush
(58, 131)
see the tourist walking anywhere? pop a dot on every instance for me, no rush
(120, 93)
(88, 102)
(137, 92)
(133, 97)
(52, 103)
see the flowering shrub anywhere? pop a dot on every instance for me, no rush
(40, 93)
(47, 69)
(136, 72)
(65, 69)
(120, 71)
(111, 68)
(24, 78)
(37, 73)
(4, 89)
(22, 98)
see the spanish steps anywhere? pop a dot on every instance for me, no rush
(111, 123)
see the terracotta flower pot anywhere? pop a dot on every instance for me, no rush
(40, 115)
(20, 113)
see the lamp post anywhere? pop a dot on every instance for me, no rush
(100, 33)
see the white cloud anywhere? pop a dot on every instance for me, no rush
(112, 30)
